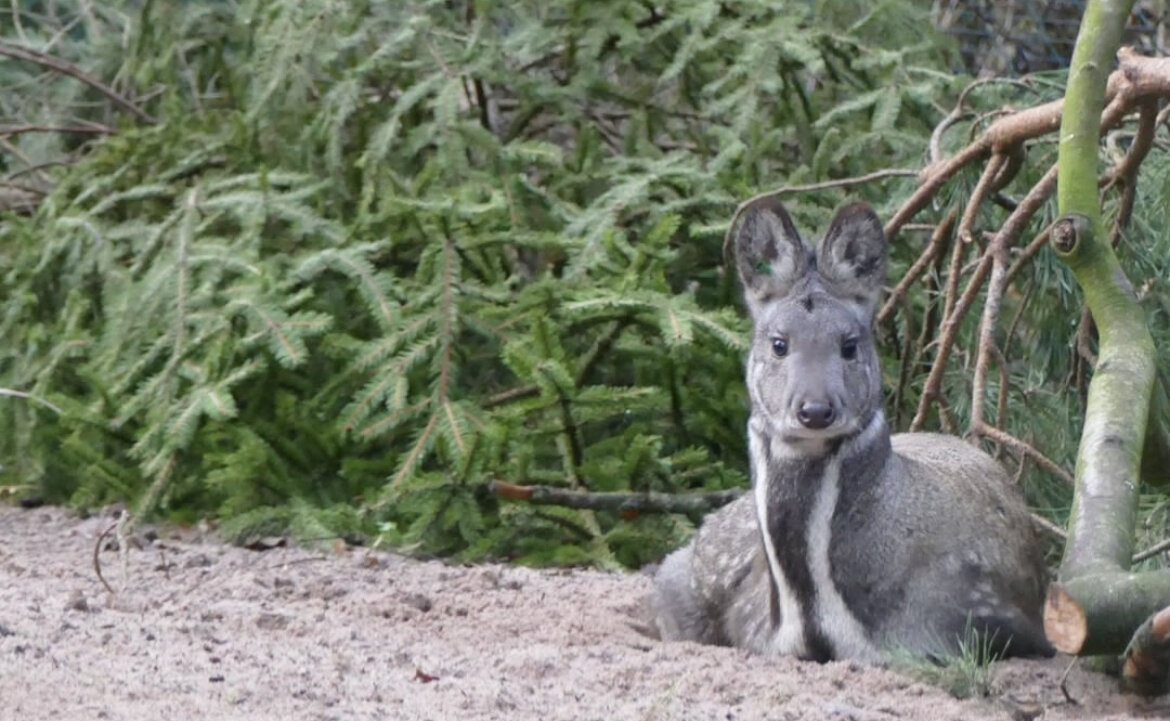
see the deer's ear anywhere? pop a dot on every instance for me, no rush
(852, 257)
(769, 253)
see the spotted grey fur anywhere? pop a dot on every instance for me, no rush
(853, 542)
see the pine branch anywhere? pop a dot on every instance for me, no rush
(447, 226)
(29, 396)
(420, 447)
(186, 233)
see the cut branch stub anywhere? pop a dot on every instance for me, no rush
(1071, 232)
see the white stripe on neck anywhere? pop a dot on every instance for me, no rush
(844, 632)
(789, 638)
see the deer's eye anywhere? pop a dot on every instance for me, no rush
(780, 347)
(849, 348)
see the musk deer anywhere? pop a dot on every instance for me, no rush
(853, 543)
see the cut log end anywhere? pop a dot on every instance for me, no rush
(1065, 623)
(1146, 670)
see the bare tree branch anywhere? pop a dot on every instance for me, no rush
(8, 131)
(649, 502)
(1026, 449)
(67, 68)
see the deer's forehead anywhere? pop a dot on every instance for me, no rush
(811, 313)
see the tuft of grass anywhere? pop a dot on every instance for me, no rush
(968, 673)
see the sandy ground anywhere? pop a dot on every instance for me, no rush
(198, 629)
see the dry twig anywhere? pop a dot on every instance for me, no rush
(1026, 449)
(67, 68)
(97, 550)
(649, 502)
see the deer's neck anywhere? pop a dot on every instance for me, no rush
(796, 498)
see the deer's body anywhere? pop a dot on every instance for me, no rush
(852, 543)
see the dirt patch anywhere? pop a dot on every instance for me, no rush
(198, 629)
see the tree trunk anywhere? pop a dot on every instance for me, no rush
(1097, 604)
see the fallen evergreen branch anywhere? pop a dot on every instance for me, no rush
(368, 257)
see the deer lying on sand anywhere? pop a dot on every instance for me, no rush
(853, 543)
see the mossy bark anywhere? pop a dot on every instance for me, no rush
(1100, 538)
(1097, 604)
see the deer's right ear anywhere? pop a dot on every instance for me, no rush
(769, 253)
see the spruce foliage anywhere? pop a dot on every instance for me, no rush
(373, 255)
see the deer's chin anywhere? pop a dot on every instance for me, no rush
(799, 440)
(815, 442)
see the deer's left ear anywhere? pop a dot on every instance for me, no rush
(852, 257)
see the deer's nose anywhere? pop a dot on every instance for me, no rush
(815, 415)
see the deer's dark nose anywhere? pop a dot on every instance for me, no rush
(815, 415)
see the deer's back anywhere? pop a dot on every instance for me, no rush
(941, 539)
